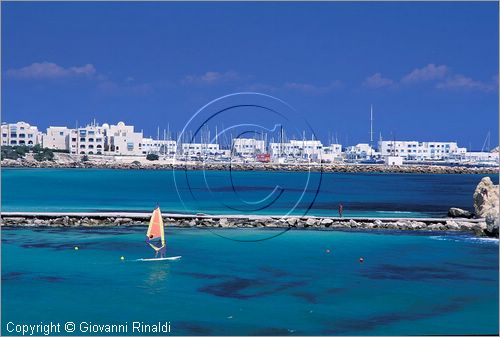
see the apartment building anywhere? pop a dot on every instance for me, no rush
(56, 138)
(199, 149)
(122, 140)
(87, 140)
(415, 150)
(304, 149)
(159, 147)
(248, 147)
(20, 133)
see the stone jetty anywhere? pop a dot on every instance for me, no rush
(313, 167)
(26, 219)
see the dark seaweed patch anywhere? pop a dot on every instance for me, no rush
(473, 266)
(193, 329)
(417, 273)
(366, 324)
(335, 290)
(109, 245)
(274, 271)
(272, 332)
(242, 288)
(51, 279)
(51, 245)
(203, 276)
(308, 297)
(12, 276)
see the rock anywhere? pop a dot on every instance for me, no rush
(352, 224)
(435, 227)
(310, 222)
(491, 225)
(455, 212)
(452, 225)
(292, 222)
(223, 222)
(486, 205)
(326, 222)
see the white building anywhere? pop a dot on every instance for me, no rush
(248, 147)
(332, 153)
(361, 151)
(159, 147)
(122, 140)
(484, 157)
(56, 138)
(87, 140)
(393, 160)
(282, 150)
(199, 149)
(414, 150)
(20, 133)
(297, 149)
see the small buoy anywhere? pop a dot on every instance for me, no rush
(122, 258)
(76, 247)
(328, 250)
(361, 260)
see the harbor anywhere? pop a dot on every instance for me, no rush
(249, 168)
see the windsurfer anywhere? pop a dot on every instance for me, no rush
(162, 249)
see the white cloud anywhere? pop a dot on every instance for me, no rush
(427, 73)
(48, 70)
(210, 77)
(461, 82)
(311, 88)
(377, 81)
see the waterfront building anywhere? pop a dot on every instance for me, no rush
(56, 138)
(20, 133)
(332, 153)
(393, 160)
(482, 157)
(248, 147)
(420, 151)
(159, 147)
(360, 152)
(199, 150)
(297, 149)
(282, 150)
(87, 140)
(122, 140)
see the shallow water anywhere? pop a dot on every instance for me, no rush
(247, 192)
(409, 283)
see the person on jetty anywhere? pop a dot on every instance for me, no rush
(162, 249)
(341, 210)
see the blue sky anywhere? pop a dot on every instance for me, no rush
(429, 69)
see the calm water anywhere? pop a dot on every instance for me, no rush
(409, 283)
(222, 192)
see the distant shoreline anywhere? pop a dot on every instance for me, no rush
(113, 219)
(347, 168)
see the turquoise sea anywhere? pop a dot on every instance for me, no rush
(409, 283)
(302, 282)
(223, 192)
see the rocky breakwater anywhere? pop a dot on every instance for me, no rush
(335, 167)
(486, 205)
(318, 223)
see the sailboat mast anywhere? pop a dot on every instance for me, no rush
(371, 130)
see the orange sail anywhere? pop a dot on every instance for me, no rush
(155, 229)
